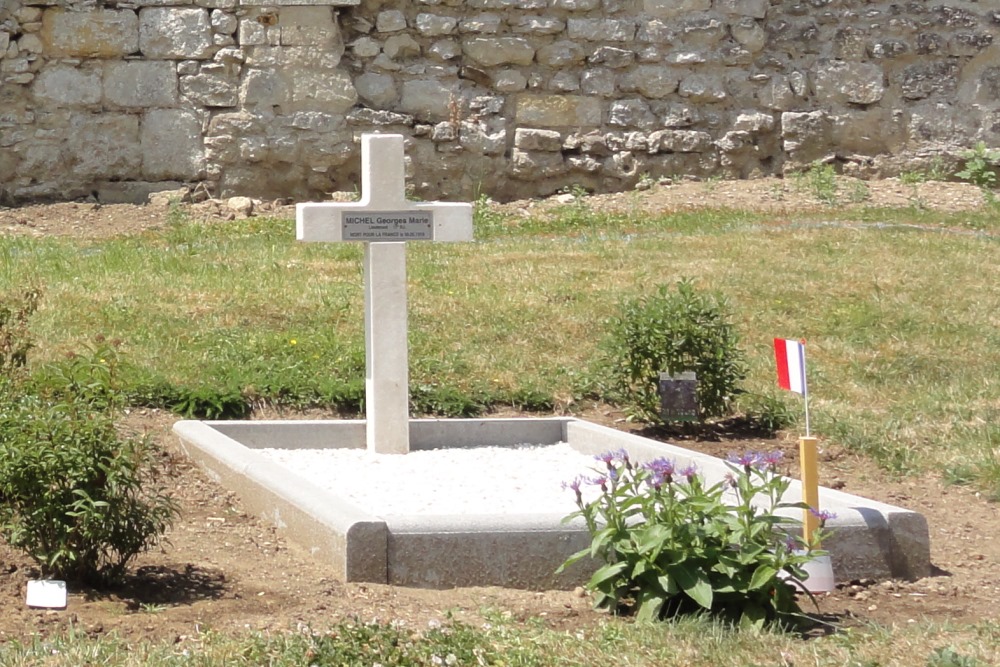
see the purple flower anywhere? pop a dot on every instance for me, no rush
(611, 457)
(600, 481)
(731, 480)
(791, 542)
(690, 472)
(661, 471)
(770, 460)
(746, 459)
(822, 515)
(575, 486)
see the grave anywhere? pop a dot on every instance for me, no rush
(455, 548)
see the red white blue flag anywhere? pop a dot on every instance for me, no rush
(790, 356)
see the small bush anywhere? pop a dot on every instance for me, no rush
(671, 545)
(15, 337)
(980, 166)
(74, 495)
(673, 332)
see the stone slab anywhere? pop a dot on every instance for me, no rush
(870, 539)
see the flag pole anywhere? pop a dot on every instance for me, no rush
(808, 458)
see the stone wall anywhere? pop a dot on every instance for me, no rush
(513, 98)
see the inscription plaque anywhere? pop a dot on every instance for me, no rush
(679, 397)
(387, 226)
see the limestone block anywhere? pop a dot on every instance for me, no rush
(172, 146)
(558, 111)
(679, 141)
(601, 30)
(175, 33)
(376, 89)
(102, 145)
(528, 139)
(140, 83)
(564, 82)
(561, 54)
(445, 49)
(939, 122)
(598, 81)
(539, 25)
(97, 33)
(223, 23)
(754, 121)
(632, 113)
(964, 43)
(583, 163)
(322, 90)
(837, 81)
(753, 8)
(777, 94)
(576, 5)
(925, 79)
(859, 131)
(805, 136)
(214, 86)
(4, 42)
(264, 87)
(703, 88)
(703, 31)
(391, 20)
(481, 23)
(29, 44)
(493, 51)
(315, 27)
(251, 32)
(365, 47)
(65, 85)
(401, 47)
(509, 81)
(672, 8)
(651, 80)
(527, 165)
(656, 32)
(610, 56)
(432, 25)
(749, 34)
(477, 136)
(427, 99)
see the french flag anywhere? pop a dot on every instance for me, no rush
(790, 356)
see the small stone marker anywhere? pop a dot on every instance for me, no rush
(46, 594)
(384, 220)
(679, 397)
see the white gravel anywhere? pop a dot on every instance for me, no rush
(526, 479)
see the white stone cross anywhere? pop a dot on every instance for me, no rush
(383, 219)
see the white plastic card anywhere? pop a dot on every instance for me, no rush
(47, 593)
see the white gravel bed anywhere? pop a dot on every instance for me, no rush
(526, 479)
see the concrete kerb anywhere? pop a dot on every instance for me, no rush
(870, 539)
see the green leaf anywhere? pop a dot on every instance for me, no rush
(605, 573)
(650, 606)
(762, 576)
(694, 583)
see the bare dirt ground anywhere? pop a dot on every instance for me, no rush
(225, 570)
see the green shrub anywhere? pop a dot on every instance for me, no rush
(74, 495)
(15, 337)
(672, 332)
(672, 545)
(91, 376)
(980, 166)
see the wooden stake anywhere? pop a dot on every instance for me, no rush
(810, 486)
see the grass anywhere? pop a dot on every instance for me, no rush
(898, 307)
(695, 642)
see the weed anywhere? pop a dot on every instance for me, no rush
(949, 657)
(980, 166)
(15, 336)
(820, 180)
